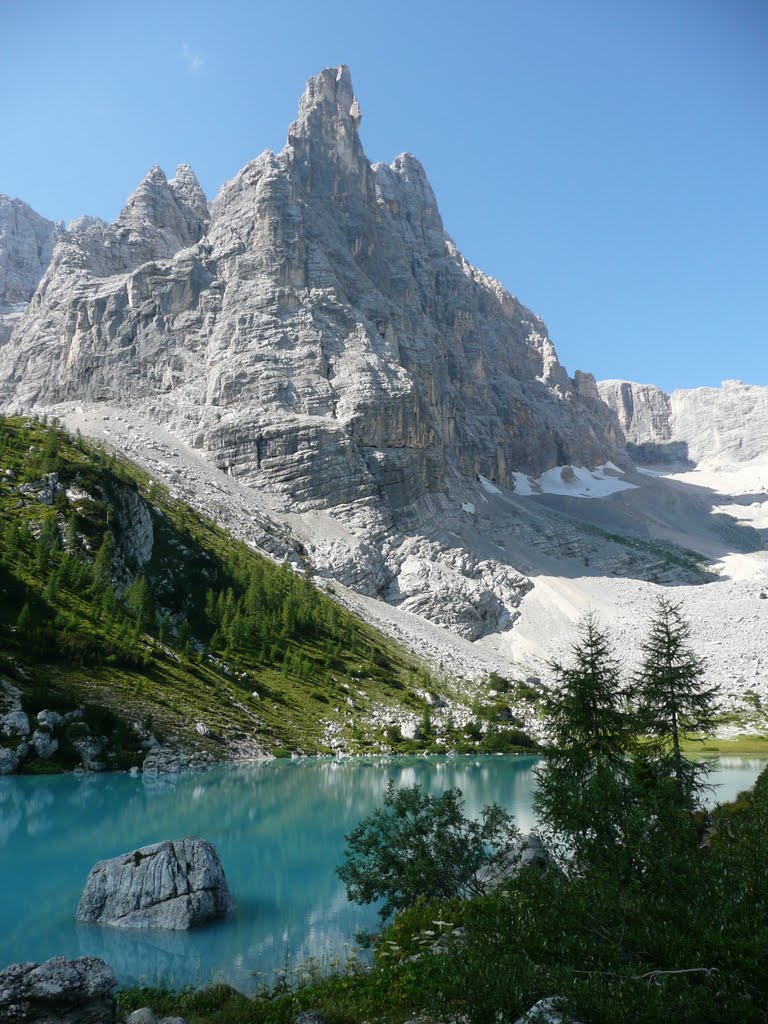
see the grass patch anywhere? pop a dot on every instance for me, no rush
(204, 629)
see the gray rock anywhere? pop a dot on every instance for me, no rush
(26, 247)
(309, 1017)
(89, 748)
(59, 991)
(144, 1015)
(410, 730)
(174, 885)
(74, 716)
(45, 745)
(173, 1020)
(320, 337)
(23, 751)
(546, 1012)
(50, 718)
(9, 761)
(728, 424)
(169, 760)
(15, 723)
(528, 852)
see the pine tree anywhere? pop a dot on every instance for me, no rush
(672, 700)
(102, 565)
(70, 540)
(47, 542)
(584, 786)
(138, 599)
(25, 619)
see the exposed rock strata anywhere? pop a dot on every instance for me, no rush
(319, 337)
(26, 246)
(173, 885)
(728, 424)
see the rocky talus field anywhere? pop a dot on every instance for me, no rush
(310, 362)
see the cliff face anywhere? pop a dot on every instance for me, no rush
(728, 424)
(320, 334)
(26, 247)
(317, 334)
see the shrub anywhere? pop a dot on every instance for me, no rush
(423, 846)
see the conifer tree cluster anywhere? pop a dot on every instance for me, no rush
(616, 773)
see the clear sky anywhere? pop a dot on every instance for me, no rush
(607, 160)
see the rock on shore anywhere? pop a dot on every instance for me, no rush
(59, 991)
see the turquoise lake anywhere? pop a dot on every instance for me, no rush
(279, 828)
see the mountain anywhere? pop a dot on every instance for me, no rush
(727, 425)
(27, 241)
(310, 356)
(320, 338)
(127, 619)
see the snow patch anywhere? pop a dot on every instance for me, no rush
(578, 482)
(467, 506)
(524, 485)
(488, 486)
(574, 481)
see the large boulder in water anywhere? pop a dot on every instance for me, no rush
(175, 884)
(62, 991)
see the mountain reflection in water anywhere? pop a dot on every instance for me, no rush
(279, 828)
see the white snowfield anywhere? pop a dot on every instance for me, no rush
(571, 481)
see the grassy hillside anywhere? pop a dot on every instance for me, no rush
(115, 595)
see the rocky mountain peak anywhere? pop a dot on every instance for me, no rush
(26, 245)
(328, 345)
(167, 215)
(328, 97)
(189, 193)
(323, 143)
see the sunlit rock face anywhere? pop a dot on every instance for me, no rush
(26, 247)
(727, 424)
(316, 334)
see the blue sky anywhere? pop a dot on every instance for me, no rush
(605, 159)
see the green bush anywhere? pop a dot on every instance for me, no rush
(418, 845)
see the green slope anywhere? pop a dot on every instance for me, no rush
(204, 629)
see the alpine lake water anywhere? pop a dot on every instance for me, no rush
(279, 828)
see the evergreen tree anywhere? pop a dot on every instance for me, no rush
(139, 601)
(47, 542)
(70, 539)
(184, 636)
(584, 786)
(25, 620)
(102, 565)
(672, 700)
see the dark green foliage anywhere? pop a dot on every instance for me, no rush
(672, 702)
(191, 633)
(140, 603)
(584, 787)
(687, 945)
(423, 846)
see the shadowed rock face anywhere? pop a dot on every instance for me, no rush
(727, 424)
(173, 885)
